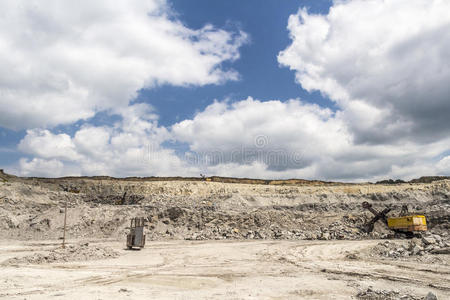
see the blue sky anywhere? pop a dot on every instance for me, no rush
(346, 90)
(261, 75)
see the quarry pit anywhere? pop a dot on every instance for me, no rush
(222, 238)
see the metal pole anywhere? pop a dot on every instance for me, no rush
(65, 218)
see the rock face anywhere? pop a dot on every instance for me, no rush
(176, 209)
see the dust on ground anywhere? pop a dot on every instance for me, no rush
(223, 270)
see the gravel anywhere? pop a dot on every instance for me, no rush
(413, 247)
(80, 252)
(371, 294)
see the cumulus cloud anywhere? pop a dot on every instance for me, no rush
(131, 147)
(47, 145)
(385, 63)
(248, 138)
(281, 135)
(61, 62)
(444, 165)
(275, 139)
(39, 167)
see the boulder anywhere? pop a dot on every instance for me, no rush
(437, 238)
(441, 251)
(431, 296)
(325, 236)
(416, 250)
(428, 240)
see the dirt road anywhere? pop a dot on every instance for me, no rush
(220, 270)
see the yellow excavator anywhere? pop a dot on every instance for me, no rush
(409, 224)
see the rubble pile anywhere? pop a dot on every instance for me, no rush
(80, 252)
(262, 223)
(428, 244)
(371, 294)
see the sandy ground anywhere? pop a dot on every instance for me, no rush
(219, 270)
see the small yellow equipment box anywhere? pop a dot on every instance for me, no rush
(408, 223)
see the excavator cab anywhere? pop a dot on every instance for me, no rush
(410, 223)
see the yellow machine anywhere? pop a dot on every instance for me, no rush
(408, 223)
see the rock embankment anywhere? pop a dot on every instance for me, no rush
(198, 210)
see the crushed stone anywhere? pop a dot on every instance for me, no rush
(79, 252)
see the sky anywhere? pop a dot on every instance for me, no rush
(352, 90)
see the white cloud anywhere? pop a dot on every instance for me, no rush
(39, 167)
(249, 138)
(47, 145)
(444, 165)
(275, 139)
(252, 125)
(61, 62)
(131, 147)
(385, 62)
